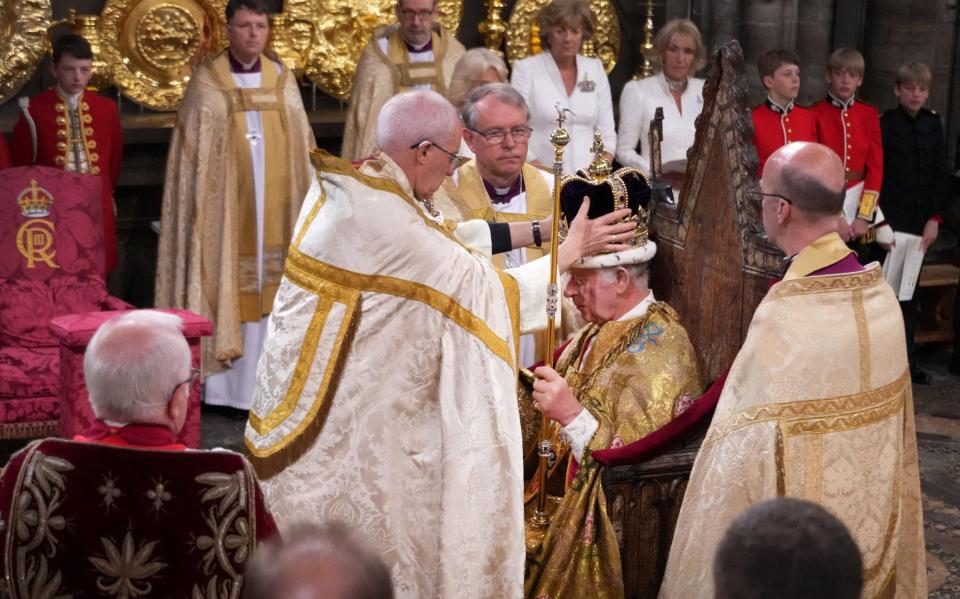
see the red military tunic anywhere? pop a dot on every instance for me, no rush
(852, 130)
(4, 153)
(101, 137)
(775, 126)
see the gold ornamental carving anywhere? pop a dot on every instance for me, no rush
(493, 28)
(291, 40)
(340, 30)
(88, 26)
(523, 33)
(23, 42)
(153, 45)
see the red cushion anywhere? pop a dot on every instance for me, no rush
(29, 372)
(26, 307)
(15, 413)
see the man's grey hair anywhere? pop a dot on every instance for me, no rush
(133, 364)
(500, 91)
(415, 116)
(328, 560)
(639, 273)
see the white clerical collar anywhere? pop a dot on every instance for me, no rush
(640, 309)
(72, 100)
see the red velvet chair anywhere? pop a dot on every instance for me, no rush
(51, 264)
(89, 520)
(74, 332)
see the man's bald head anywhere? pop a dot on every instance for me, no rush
(411, 117)
(810, 175)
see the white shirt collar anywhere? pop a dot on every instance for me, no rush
(71, 100)
(640, 309)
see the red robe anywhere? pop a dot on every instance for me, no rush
(4, 153)
(102, 137)
(775, 126)
(853, 132)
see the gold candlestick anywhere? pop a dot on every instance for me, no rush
(646, 48)
(493, 28)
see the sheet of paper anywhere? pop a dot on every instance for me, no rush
(902, 265)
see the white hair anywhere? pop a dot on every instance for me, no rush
(639, 273)
(412, 117)
(133, 365)
(471, 66)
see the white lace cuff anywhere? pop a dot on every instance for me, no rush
(579, 432)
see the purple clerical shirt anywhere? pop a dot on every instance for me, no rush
(845, 265)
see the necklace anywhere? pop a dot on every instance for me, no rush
(428, 204)
(676, 86)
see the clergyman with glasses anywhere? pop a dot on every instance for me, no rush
(498, 185)
(386, 396)
(237, 170)
(414, 53)
(817, 404)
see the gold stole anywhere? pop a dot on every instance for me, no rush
(256, 301)
(417, 73)
(539, 202)
(824, 251)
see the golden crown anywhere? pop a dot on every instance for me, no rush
(34, 201)
(600, 173)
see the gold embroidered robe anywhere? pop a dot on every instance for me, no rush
(386, 395)
(379, 77)
(634, 373)
(817, 405)
(207, 223)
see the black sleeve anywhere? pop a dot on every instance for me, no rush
(941, 174)
(500, 237)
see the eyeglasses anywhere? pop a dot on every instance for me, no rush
(496, 136)
(455, 159)
(755, 192)
(409, 14)
(194, 375)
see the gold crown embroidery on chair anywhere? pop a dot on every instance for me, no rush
(34, 201)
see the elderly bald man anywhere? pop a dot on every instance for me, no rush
(817, 404)
(386, 397)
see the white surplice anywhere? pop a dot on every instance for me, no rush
(386, 395)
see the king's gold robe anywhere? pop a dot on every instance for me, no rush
(207, 258)
(634, 374)
(817, 405)
(383, 74)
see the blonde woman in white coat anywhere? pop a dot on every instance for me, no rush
(678, 54)
(561, 74)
